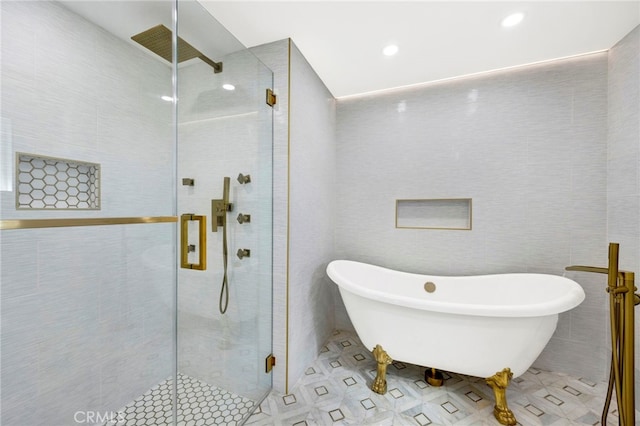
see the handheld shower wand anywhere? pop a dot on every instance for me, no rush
(219, 209)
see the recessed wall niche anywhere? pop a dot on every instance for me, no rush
(56, 183)
(437, 213)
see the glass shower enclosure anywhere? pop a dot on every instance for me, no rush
(135, 190)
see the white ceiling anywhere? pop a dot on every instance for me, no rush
(343, 40)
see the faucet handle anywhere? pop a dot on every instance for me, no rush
(243, 218)
(243, 253)
(244, 178)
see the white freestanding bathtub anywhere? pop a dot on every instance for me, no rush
(474, 325)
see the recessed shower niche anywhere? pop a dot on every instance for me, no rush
(437, 213)
(56, 183)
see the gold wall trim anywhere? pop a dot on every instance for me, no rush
(286, 361)
(92, 221)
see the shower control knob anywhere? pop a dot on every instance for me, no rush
(244, 178)
(244, 218)
(243, 253)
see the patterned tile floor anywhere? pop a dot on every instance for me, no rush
(199, 404)
(335, 391)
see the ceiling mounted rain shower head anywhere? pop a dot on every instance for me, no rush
(158, 40)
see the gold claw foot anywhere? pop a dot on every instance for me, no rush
(499, 383)
(380, 382)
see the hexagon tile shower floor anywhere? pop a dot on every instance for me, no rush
(199, 404)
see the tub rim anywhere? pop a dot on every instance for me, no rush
(569, 300)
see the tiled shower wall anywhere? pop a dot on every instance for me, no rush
(623, 154)
(86, 312)
(64, 86)
(312, 213)
(528, 145)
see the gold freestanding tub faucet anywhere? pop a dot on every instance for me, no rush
(622, 301)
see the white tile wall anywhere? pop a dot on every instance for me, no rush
(71, 78)
(311, 245)
(86, 319)
(527, 145)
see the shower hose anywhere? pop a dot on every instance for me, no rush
(223, 303)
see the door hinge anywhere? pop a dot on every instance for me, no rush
(269, 363)
(271, 98)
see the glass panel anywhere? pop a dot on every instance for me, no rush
(224, 130)
(87, 312)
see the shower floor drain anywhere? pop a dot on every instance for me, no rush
(198, 404)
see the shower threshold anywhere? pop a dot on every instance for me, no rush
(198, 404)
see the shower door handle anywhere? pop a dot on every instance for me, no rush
(184, 241)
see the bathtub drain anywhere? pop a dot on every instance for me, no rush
(429, 287)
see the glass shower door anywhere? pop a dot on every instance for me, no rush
(87, 220)
(224, 132)
(97, 315)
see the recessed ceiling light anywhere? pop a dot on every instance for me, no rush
(228, 86)
(390, 50)
(513, 19)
